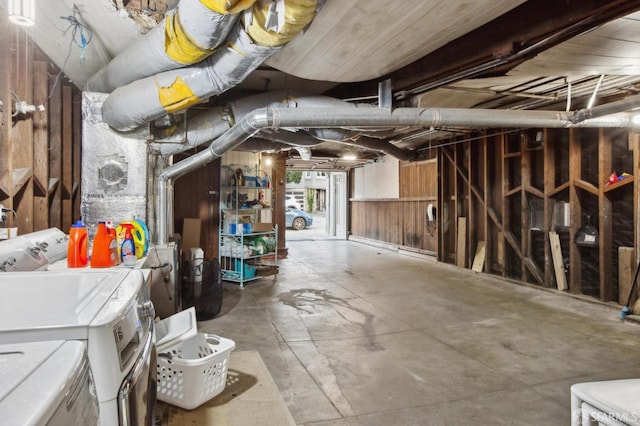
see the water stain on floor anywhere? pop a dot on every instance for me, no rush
(304, 299)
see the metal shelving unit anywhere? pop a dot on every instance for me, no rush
(248, 240)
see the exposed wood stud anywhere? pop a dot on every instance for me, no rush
(605, 225)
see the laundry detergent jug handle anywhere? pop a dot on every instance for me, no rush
(82, 243)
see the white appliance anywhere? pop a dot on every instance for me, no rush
(52, 242)
(609, 403)
(20, 254)
(47, 383)
(107, 309)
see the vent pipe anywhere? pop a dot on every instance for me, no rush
(188, 34)
(274, 118)
(208, 125)
(252, 40)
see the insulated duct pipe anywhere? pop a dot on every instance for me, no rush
(187, 35)
(356, 138)
(303, 139)
(344, 117)
(208, 125)
(144, 100)
(201, 129)
(257, 144)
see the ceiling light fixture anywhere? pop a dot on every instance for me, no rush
(349, 156)
(22, 12)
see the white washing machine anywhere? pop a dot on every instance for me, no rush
(47, 383)
(107, 309)
(52, 242)
(21, 254)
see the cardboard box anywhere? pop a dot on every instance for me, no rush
(262, 227)
(190, 235)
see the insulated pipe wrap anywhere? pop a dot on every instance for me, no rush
(201, 129)
(297, 15)
(188, 34)
(228, 6)
(144, 100)
(287, 99)
(208, 23)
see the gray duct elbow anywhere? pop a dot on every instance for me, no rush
(201, 129)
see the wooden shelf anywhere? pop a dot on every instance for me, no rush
(619, 184)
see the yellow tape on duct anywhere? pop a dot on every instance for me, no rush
(228, 6)
(176, 97)
(298, 14)
(179, 45)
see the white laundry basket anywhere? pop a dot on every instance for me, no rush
(192, 368)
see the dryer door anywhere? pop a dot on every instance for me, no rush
(137, 395)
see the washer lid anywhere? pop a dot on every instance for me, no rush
(36, 378)
(176, 329)
(49, 305)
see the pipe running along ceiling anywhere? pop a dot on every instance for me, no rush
(201, 49)
(205, 47)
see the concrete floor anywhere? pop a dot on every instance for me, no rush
(357, 335)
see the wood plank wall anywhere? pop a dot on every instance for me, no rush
(197, 195)
(402, 221)
(41, 151)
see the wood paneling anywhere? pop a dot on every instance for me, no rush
(197, 195)
(40, 148)
(279, 180)
(419, 179)
(5, 121)
(55, 155)
(67, 156)
(31, 167)
(77, 155)
(402, 222)
(22, 133)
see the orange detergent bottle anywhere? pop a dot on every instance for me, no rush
(77, 246)
(105, 248)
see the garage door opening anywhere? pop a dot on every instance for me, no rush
(316, 205)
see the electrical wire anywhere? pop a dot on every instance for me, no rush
(77, 29)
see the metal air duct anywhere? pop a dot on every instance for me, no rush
(344, 117)
(135, 104)
(187, 35)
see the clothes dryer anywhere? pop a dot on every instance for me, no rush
(47, 383)
(110, 312)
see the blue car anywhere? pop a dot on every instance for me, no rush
(297, 219)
